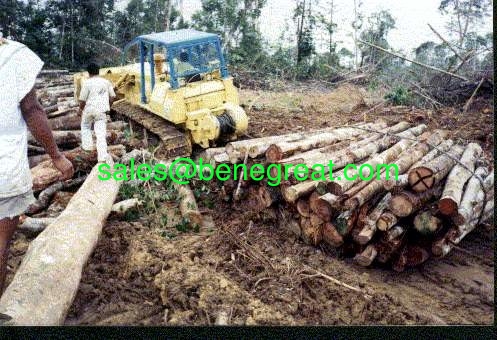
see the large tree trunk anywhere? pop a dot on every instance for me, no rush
(426, 176)
(458, 176)
(48, 278)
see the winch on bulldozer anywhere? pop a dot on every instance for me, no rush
(180, 90)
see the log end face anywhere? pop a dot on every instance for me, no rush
(274, 153)
(400, 206)
(447, 206)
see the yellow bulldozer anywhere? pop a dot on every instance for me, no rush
(180, 91)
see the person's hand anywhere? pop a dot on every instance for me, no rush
(64, 166)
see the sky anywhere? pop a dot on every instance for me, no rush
(411, 19)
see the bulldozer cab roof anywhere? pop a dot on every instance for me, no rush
(176, 38)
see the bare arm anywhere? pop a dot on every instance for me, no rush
(37, 123)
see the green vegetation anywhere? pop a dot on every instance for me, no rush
(70, 33)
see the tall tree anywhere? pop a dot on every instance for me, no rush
(376, 31)
(236, 22)
(465, 15)
(306, 21)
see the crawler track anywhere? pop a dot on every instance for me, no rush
(172, 141)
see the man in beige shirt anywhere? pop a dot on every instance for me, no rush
(95, 101)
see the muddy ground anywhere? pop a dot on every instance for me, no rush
(245, 269)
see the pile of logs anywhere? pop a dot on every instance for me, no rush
(442, 192)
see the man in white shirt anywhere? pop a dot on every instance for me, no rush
(20, 111)
(95, 101)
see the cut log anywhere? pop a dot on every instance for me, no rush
(303, 207)
(369, 229)
(44, 174)
(366, 258)
(188, 205)
(473, 197)
(426, 223)
(73, 137)
(33, 226)
(455, 234)
(47, 280)
(458, 176)
(398, 166)
(292, 192)
(310, 234)
(61, 113)
(331, 236)
(46, 195)
(407, 202)
(386, 221)
(123, 206)
(345, 222)
(425, 177)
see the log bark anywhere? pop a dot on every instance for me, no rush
(457, 178)
(407, 202)
(44, 174)
(48, 278)
(473, 196)
(68, 122)
(425, 177)
(77, 156)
